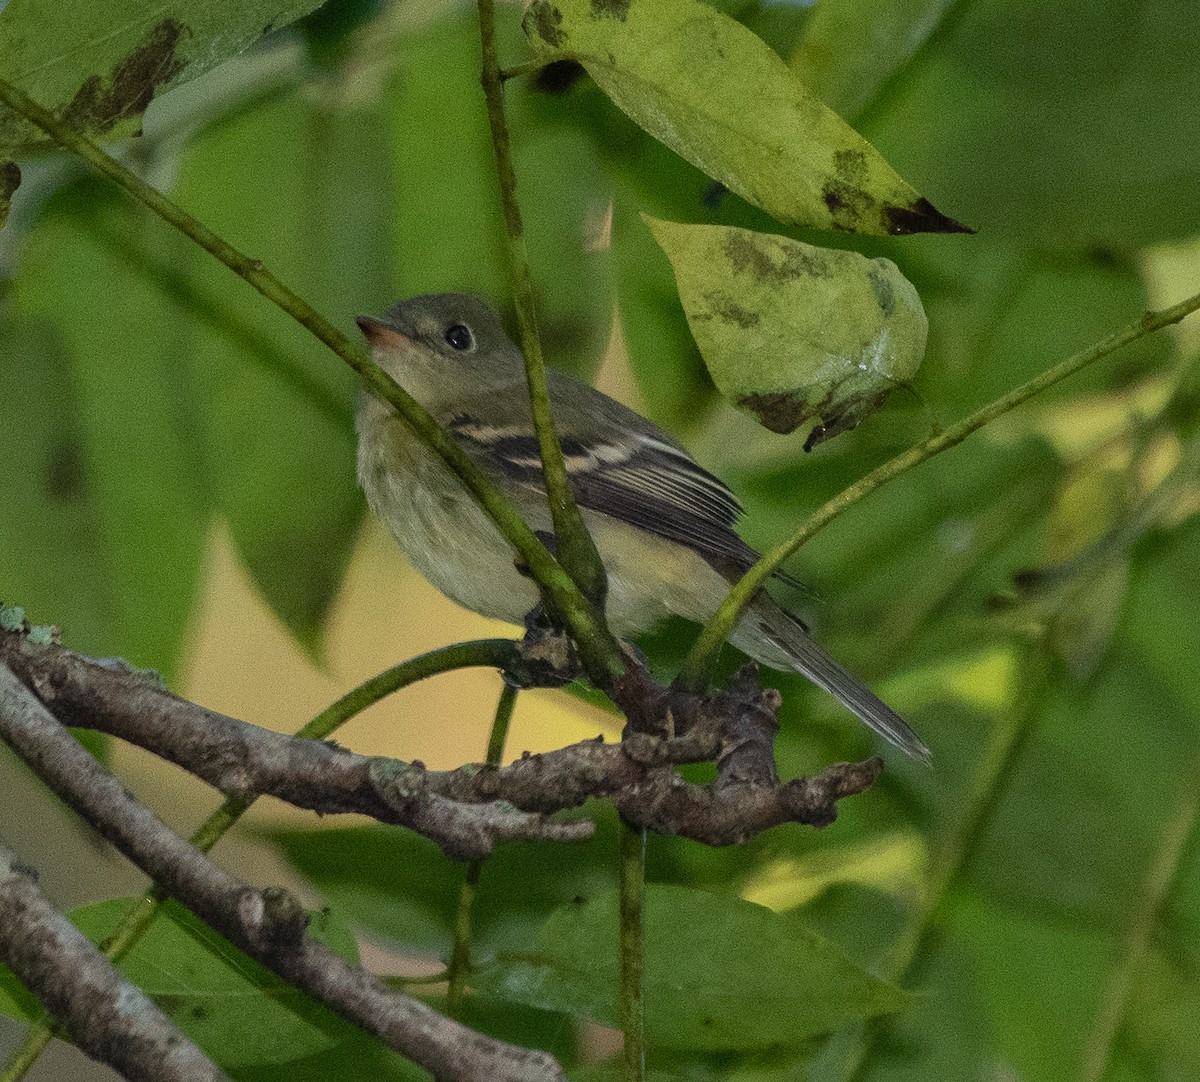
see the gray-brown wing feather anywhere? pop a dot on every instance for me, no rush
(620, 465)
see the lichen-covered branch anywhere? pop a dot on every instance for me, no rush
(468, 810)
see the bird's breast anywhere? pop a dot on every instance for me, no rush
(445, 534)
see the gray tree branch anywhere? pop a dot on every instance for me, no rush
(267, 924)
(468, 810)
(105, 1015)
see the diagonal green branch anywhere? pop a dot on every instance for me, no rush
(1175, 834)
(598, 649)
(698, 666)
(854, 1046)
(574, 545)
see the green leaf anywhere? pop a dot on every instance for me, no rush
(851, 47)
(1040, 849)
(1000, 312)
(516, 1023)
(718, 96)
(234, 1008)
(720, 973)
(16, 1001)
(1040, 982)
(1159, 621)
(50, 529)
(239, 1012)
(303, 187)
(1055, 885)
(942, 1035)
(663, 356)
(1051, 308)
(791, 332)
(1163, 1007)
(1078, 605)
(135, 452)
(392, 883)
(357, 1058)
(398, 885)
(1121, 742)
(99, 63)
(1065, 124)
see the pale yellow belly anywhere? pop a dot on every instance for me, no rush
(453, 543)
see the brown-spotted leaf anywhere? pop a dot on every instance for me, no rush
(99, 63)
(794, 333)
(719, 96)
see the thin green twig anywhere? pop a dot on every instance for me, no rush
(632, 901)
(28, 1052)
(460, 953)
(408, 982)
(1178, 829)
(498, 653)
(987, 783)
(526, 67)
(597, 648)
(574, 545)
(698, 666)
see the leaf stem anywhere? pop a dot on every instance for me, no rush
(576, 550)
(632, 898)
(460, 953)
(482, 652)
(597, 647)
(698, 667)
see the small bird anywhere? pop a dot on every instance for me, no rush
(663, 525)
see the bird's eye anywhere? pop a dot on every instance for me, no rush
(460, 337)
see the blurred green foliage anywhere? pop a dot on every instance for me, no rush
(1028, 601)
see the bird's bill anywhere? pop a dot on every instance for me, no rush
(383, 335)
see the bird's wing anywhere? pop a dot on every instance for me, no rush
(620, 465)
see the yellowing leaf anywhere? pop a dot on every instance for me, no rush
(719, 96)
(791, 332)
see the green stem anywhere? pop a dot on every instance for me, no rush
(697, 669)
(598, 649)
(498, 653)
(460, 954)
(482, 653)
(407, 982)
(1179, 828)
(526, 67)
(28, 1052)
(632, 888)
(575, 548)
(987, 783)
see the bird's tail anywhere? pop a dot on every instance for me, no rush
(774, 637)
